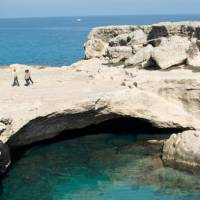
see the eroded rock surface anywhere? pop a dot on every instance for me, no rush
(141, 58)
(117, 54)
(183, 150)
(90, 92)
(114, 81)
(171, 51)
(174, 43)
(194, 54)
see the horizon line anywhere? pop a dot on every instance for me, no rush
(107, 15)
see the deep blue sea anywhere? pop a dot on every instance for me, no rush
(59, 41)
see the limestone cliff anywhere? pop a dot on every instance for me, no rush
(124, 75)
(163, 45)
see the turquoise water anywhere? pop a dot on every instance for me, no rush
(98, 167)
(59, 41)
(103, 167)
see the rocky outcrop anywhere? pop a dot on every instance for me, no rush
(173, 44)
(141, 58)
(114, 82)
(171, 51)
(183, 150)
(95, 48)
(61, 105)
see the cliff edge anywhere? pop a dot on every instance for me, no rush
(149, 73)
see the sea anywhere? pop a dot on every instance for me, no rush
(58, 41)
(107, 166)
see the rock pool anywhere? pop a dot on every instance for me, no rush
(96, 167)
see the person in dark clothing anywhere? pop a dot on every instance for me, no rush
(28, 78)
(16, 81)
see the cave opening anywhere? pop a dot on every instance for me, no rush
(119, 125)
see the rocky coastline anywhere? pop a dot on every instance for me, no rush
(149, 73)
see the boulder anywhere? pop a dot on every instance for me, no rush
(119, 53)
(193, 55)
(95, 48)
(138, 40)
(138, 37)
(172, 51)
(157, 32)
(141, 58)
(183, 150)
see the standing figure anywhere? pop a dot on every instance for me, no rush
(16, 81)
(27, 78)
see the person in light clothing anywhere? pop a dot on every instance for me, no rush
(16, 81)
(28, 78)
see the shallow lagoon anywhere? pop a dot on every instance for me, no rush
(97, 167)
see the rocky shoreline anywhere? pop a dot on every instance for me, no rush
(149, 73)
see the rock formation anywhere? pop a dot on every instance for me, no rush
(183, 150)
(126, 74)
(174, 44)
(171, 51)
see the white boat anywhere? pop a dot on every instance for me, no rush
(78, 20)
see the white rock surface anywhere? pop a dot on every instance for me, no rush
(119, 53)
(172, 51)
(171, 41)
(193, 55)
(120, 40)
(183, 150)
(141, 57)
(95, 48)
(56, 103)
(138, 37)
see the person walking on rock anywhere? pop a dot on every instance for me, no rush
(16, 81)
(27, 78)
